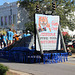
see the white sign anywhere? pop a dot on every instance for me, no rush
(47, 26)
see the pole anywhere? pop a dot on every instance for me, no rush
(59, 29)
(62, 38)
(37, 11)
(53, 8)
(39, 40)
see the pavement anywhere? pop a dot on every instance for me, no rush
(64, 68)
(3, 61)
(73, 55)
(22, 73)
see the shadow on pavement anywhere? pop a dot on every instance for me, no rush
(5, 61)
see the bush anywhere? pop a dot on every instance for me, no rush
(66, 37)
(3, 69)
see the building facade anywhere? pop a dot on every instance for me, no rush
(13, 16)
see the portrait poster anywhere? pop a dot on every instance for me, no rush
(47, 26)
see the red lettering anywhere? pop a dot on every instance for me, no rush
(54, 28)
(46, 41)
(54, 23)
(47, 34)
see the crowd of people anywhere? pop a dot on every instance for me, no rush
(7, 39)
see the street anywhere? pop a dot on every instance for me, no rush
(64, 68)
(37, 27)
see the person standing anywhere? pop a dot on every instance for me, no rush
(1, 40)
(28, 34)
(16, 36)
(24, 35)
(10, 35)
(5, 40)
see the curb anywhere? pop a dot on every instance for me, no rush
(18, 72)
(73, 55)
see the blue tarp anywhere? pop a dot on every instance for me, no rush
(21, 49)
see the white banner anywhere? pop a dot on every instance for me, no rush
(47, 27)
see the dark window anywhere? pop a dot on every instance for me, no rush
(14, 19)
(5, 20)
(1, 21)
(10, 20)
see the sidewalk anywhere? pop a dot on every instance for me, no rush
(13, 72)
(73, 55)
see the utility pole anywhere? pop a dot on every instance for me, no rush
(59, 27)
(53, 7)
(37, 8)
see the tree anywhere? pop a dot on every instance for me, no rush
(29, 26)
(66, 37)
(63, 8)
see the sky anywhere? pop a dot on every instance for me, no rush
(3, 1)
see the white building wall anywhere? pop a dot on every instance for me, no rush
(21, 15)
(5, 11)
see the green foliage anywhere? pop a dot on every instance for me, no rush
(72, 49)
(64, 9)
(30, 7)
(66, 37)
(3, 69)
(29, 26)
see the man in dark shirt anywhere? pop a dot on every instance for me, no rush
(1, 40)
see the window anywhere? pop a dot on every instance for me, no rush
(1, 21)
(10, 20)
(14, 19)
(5, 20)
